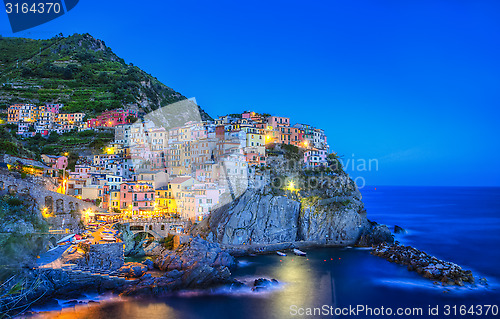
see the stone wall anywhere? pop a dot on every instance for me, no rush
(65, 209)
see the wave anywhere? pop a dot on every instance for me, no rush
(244, 263)
(430, 285)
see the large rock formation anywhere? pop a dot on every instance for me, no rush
(294, 205)
(195, 251)
(195, 264)
(255, 217)
(260, 217)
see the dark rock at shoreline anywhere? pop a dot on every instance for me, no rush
(196, 264)
(196, 250)
(424, 264)
(375, 235)
(198, 276)
(399, 230)
(236, 284)
(264, 284)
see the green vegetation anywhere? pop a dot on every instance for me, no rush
(70, 142)
(10, 144)
(292, 152)
(334, 163)
(78, 71)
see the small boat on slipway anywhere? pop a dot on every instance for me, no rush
(299, 252)
(281, 253)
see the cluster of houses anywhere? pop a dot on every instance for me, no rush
(153, 171)
(43, 119)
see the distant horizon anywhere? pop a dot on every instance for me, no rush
(413, 85)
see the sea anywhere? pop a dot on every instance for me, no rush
(457, 224)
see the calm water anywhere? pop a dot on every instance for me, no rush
(457, 224)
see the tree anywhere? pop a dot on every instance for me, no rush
(53, 137)
(67, 74)
(334, 163)
(72, 159)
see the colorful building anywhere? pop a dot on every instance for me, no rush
(56, 162)
(137, 199)
(166, 204)
(276, 121)
(315, 157)
(111, 118)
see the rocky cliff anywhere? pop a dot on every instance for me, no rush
(263, 218)
(321, 206)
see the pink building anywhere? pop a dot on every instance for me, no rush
(81, 172)
(137, 198)
(251, 116)
(111, 118)
(54, 108)
(57, 162)
(205, 200)
(255, 158)
(315, 157)
(276, 121)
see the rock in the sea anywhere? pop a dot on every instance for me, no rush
(375, 235)
(236, 284)
(399, 230)
(426, 265)
(263, 284)
(201, 275)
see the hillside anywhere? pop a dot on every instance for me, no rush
(79, 71)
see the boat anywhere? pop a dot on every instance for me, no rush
(281, 253)
(108, 238)
(299, 252)
(65, 239)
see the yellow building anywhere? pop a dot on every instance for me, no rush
(165, 202)
(114, 200)
(254, 136)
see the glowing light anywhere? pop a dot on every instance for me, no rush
(109, 150)
(291, 187)
(45, 213)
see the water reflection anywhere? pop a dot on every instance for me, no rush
(115, 309)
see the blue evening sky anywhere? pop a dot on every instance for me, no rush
(413, 84)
